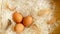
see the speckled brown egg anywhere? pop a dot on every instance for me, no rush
(27, 21)
(17, 17)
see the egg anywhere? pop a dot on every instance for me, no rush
(17, 17)
(19, 27)
(27, 21)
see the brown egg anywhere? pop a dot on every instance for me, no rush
(17, 17)
(19, 27)
(27, 21)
